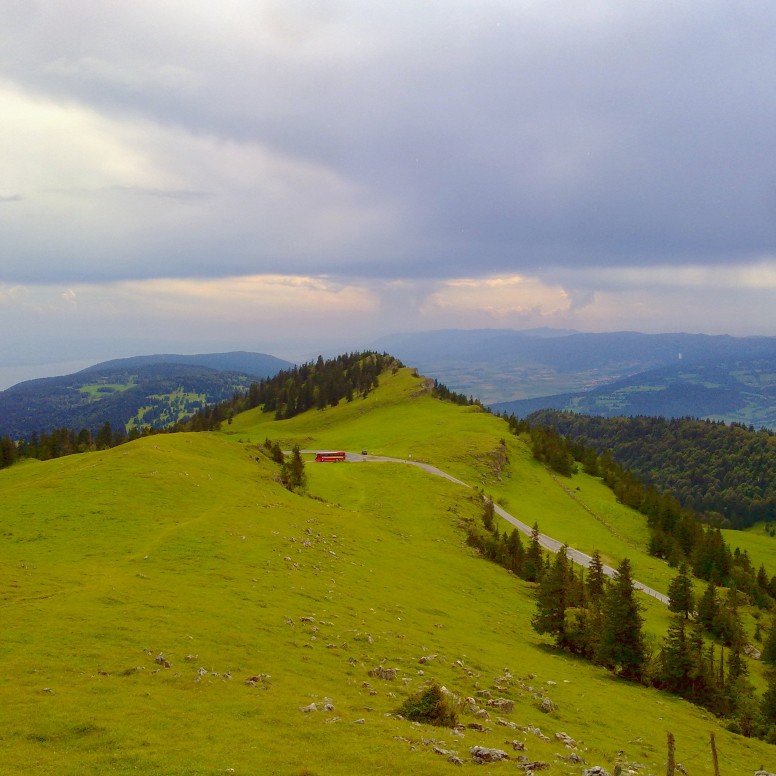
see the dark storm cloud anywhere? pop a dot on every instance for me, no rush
(445, 138)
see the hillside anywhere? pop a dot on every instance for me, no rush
(150, 391)
(185, 548)
(714, 469)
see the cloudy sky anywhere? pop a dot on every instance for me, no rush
(289, 176)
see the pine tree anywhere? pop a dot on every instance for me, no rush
(621, 644)
(488, 514)
(516, 552)
(532, 565)
(551, 599)
(680, 595)
(768, 655)
(676, 660)
(708, 606)
(596, 578)
(768, 703)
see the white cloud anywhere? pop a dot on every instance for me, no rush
(508, 301)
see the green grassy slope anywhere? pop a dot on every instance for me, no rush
(186, 545)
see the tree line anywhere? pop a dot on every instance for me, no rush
(726, 473)
(676, 534)
(317, 384)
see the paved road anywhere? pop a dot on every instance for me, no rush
(546, 541)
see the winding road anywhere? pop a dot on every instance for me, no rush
(577, 556)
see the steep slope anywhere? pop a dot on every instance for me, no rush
(186, 545)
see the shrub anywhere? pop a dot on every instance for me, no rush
(433, 706)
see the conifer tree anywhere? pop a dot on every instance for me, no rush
(488, 514)
(596, 578)
(676, 660)
(552, 597)
(680, 595)
(516, 552)
(768, 655)
(708, 606)
(621, 644)
(532, 565)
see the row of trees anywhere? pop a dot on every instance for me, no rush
(64, 441)
(676, 533)
(701, 657)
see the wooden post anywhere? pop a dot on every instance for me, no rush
(671, 764)
(714, 755)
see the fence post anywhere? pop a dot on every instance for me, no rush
(714, 755)
(671, 764)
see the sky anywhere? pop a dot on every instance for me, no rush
(294, 177)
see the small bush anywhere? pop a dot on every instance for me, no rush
(432, 706)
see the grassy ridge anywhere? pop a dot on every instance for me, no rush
(187, 545)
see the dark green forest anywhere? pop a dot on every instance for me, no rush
(725, 473)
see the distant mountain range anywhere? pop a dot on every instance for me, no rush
(621, 373)
(140, 391)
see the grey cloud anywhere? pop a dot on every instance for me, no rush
(506, 137)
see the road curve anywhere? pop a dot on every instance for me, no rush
(546, 541)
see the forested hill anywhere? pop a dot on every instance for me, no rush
(152, 395)
(708, 466)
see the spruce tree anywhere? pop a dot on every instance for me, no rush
(708, 606)
(532, 565)
(596, 578)
(768, 655)
(621, 645)
(516, 552)
(680, 595)
(676, 660)
(551, 599)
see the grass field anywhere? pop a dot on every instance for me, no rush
(186, 545)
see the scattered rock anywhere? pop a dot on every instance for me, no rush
(566, 739)
(308, 709)
(506, 723)
(427, 659)
(359, 721)
(476, 726)
(455, 760)
(536, 765)
(160, 658)
(596, 770)
(384, 673)
(257, 679)
(504, 705)
(546, 706)
(574, 758)
(518, 746)
(483, 754)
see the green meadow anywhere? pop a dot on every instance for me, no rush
(167, 607)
